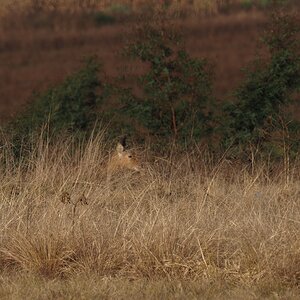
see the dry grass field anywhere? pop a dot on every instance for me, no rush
(187, 227)
(190, 225)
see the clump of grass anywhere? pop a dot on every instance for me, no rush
(45, 255)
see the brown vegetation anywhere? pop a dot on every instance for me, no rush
(187, 226)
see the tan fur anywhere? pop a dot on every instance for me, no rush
(121, 160)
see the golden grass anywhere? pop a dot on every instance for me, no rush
(184, 228)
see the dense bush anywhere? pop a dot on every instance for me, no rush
(69, 106)
(174, 97)
(172, 100)
(100, 18)
(270, 84)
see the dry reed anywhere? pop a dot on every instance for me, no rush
(184, 220)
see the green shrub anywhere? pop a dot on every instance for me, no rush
(100, 18)
(174, 96)
(268, 89)
(68, 107)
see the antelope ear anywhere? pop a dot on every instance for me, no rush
(120, 149)
(123, 141)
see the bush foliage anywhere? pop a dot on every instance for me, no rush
(262, 99)
(68, 107)
(173, 99)
(175, 96)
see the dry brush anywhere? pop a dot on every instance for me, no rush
(183, 218)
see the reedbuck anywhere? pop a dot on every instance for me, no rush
(122, 159)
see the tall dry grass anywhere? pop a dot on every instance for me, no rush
(184, 221)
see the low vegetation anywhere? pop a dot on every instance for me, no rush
(186, 226)
(260, 116)
(172, 101)
(66, 108)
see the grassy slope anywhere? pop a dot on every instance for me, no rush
(184, 228)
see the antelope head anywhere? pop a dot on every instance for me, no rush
(122, 159)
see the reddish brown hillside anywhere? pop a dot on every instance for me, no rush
(33, 59)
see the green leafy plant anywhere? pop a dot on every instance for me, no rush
(268, 89)
(174, 99)
(69, 106)
(100, 18)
